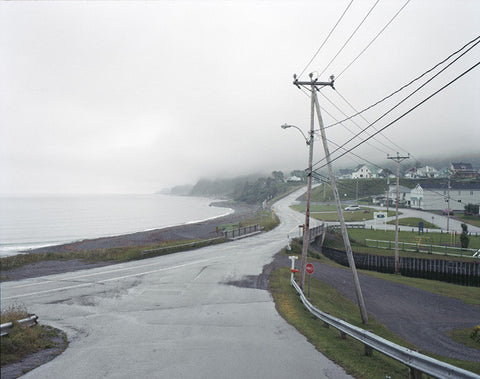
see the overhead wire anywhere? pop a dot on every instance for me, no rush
(373, 40)
(351, 131)
(407, 112)
(401, 102)
(384, 136)
(408, 84)
(351, 36)
(326, 39)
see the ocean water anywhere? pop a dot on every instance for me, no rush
(28, 222)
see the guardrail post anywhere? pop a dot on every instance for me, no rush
(413, 373)
(343, 335)
(368, 350)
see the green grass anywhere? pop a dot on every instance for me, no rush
(413, 237)
(413, 222)
(347, 353)
(473, 220)
(315, 207)
(329, 213)
(266, 219)
(463, 336)
(23, 341)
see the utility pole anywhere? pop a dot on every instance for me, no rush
(398, 159)
(306, 229)
(356, 194)
(448, 204)
(314, 86)
(388, 191)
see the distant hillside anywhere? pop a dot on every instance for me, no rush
(250, 189)
(182, 190)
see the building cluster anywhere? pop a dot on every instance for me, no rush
(455, 171)
(461, 186)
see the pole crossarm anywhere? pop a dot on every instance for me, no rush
(313, 83)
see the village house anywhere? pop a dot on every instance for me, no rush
(422, 172)
(434, 196)
(463, 171)
(403, 195)
(364, 172)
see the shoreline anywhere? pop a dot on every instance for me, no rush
(197, 230)
(185, 231)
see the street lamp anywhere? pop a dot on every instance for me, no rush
(306, 229)
(286, 126)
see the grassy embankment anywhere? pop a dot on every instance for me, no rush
(347, 353)
(22, 341)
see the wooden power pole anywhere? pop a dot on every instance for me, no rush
(398, 159)
(314, 86)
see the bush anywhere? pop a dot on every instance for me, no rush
(464, 239)
(476, 334)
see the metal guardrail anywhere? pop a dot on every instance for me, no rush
(412, 359)
(29, 321)
(235, 233)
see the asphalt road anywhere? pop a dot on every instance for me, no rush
(174, 316)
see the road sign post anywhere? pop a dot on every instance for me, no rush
(309, 269)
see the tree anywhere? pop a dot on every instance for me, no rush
(464, 239)
(278, 176)
(471, 209)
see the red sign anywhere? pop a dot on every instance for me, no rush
(309, 268)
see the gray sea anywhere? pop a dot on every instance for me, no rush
(28, 222)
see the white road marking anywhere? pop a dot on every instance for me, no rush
(85, 275)
(111, 279)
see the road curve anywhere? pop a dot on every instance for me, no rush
(174, 316)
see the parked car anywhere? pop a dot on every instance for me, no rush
(447, 211)
(352, 208)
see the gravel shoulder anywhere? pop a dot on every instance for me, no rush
(200, 230)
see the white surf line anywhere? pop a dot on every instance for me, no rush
(73, 278)
(110, 279)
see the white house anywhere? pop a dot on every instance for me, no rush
(294, 179)
(363, 172)
(427, 172)
(434, 196)
(403, 195)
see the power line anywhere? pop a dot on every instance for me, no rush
(351, 36)
(384, 136)
(351, 131)
(326, 39)
(373, 40)
(410, 83)
(401, 102)
(407, 112)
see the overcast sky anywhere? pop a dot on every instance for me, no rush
(122, 97)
